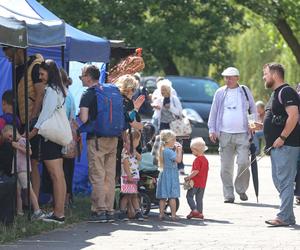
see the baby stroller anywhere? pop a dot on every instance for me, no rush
(149, 173)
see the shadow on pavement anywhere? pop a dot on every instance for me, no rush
(85, 234)
(218, 221)
(249, 204)
(295, 227)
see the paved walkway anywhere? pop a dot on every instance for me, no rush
(227, 226)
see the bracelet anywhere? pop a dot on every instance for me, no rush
(282, 137)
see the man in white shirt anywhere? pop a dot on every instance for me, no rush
(228, 124)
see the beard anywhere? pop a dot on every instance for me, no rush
(269, 84)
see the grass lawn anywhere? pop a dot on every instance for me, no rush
(22, 228)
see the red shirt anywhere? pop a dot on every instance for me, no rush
(200, 164)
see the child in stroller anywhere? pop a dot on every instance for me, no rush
(149, 171)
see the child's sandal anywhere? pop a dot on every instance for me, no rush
(174, 218)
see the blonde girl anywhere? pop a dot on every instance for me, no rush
(170, 153)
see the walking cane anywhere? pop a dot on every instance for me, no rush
(259, 158)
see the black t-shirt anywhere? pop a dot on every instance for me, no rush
(275, 112)
(34, 74)
(128, 107)
(89, 100)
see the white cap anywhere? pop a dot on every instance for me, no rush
(231, 71)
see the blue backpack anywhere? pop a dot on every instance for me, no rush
(110, 116)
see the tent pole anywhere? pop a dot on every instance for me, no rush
(63, 57)
(27, 131)
(14, 88)
(68, 68)
(106, 71)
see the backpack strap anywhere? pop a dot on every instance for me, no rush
(245, 92)
(279, 94)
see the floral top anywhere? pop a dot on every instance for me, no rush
(133, 165)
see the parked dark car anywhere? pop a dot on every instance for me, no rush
(196, 96)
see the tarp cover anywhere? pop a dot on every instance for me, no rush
(41, 33)
(13, 32)
(80, 46)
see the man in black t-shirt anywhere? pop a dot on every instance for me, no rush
(282, 133)
(101, 161)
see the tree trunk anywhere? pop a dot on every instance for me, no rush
(288, 35)
(167, 63)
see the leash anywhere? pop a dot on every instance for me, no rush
(256, 159)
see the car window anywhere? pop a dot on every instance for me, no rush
(192, 89)
(150, 85)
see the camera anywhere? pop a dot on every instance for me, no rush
(279, 120)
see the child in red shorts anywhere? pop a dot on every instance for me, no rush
(199, 172)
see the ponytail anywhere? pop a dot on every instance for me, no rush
(161, 156)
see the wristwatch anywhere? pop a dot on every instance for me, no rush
(282, 137)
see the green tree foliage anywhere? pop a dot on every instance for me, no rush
(284, 14)
(178, 36)
(260, 44)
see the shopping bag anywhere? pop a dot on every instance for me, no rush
(181, 126)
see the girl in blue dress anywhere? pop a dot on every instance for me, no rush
(170, 153)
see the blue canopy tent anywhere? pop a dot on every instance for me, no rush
(80, 46)
(19, 31)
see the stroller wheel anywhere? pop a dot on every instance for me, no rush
(168, 208)
(145, 203)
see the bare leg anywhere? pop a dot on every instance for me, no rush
(19, 201)
(55, 168)
(172, 203)
(67, 200)
(124, 202)
(35, 176)
(34, 201)
(135, 202)
(162, 205)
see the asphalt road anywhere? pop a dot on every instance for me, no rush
(226, 226)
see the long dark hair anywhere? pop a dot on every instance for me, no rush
(54, 77)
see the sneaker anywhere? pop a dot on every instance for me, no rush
(49, 214)
(20, 213)
(54, 218)
(38, 215)
(93, 217)
(101, 217)
(123, 216)
(229, 200)
(139, 216)
(243, 197)
(110, 217)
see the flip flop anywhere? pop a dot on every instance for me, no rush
(276, 223)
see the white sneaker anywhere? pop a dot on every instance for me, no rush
(38, 215)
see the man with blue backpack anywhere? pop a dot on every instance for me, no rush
(101, 111)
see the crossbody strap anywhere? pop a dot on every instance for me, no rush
(244, 89)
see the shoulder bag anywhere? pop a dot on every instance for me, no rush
(57, 128)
